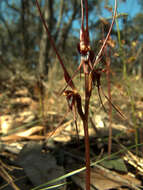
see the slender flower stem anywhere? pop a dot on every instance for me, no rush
(86, 8)
(85, 125)
(82, 15)
(87, 153)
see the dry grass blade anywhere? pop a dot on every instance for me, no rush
(4, 174)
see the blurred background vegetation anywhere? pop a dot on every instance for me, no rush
(24, 45)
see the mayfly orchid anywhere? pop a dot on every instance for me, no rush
(92, 74)
(87, 55)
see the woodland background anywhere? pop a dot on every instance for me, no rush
(31, 107)
(25, 44)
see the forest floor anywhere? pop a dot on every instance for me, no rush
(39, 140)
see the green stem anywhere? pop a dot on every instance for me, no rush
(133, 115)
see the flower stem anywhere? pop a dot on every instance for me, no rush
(85, 125)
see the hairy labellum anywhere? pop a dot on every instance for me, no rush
(85, 57)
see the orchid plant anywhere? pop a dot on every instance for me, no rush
(92, 75)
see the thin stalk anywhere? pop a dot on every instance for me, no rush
(84, 118)
(108, 55)
(97, 58)
(82, 15)
(86, 8)
(87, 153)
(133, 115)
(85, 125)
(110, 106)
